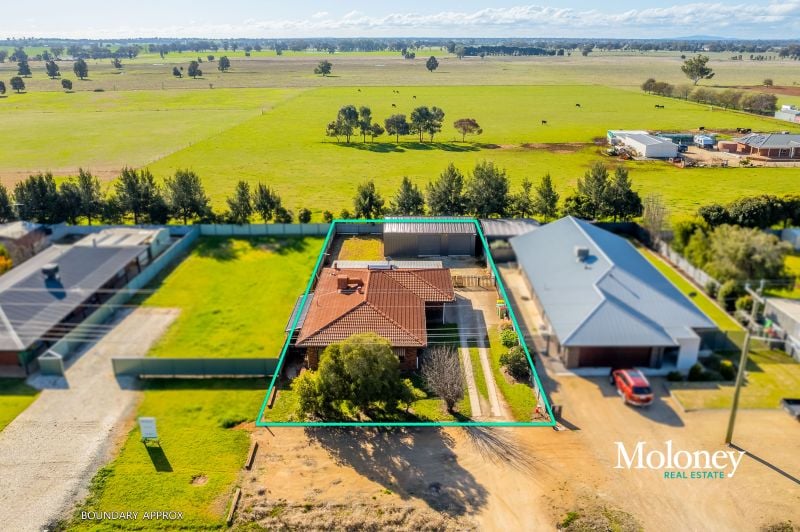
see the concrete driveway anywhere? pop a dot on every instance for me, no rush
(49, 453)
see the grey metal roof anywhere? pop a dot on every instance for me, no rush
(506, 228)
(18, 229)
(409, 225)
(30, 305)
(770, 140)
(647, 140)
(366, 264)
(613, 298)
(303, 313)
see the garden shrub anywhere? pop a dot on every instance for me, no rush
(728, 293)
(711, 288)
(744, 303)
(509, 338)
(727, 370)
(674, 376)
(697, 372)
(505, 325)
(516, 363)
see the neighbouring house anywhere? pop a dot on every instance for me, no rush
(23, 240)
(499, 231)
(603, 303)
(792, 236)
(769, 146)
(407, 238)
(790, 113)
(644, 144)
(394, 303)
(785, 313)
(47, 296)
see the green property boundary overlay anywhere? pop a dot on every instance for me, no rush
(539, 390)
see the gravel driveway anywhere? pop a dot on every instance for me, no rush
(49, 453)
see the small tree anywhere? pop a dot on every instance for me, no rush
(81, 69)
(545, 202)
(6, 206)
(347, 120)
(467, 126)
(364, 121)
(593, 187)
(516, 363)
(24, 69)
(265, 202)
(283, 215)
(487, 191)
(224, 64)
(186, 197)
(194, 70)
(324, 68)
(52, 69)
(446, 195)
(443, 374)
(695, 68)
(376, 130)
(116, 63)
(2, 88)
(17, 84)
(327, 217)
(409, 200)
(91, 195)
(654, 217)
(432, 64)
(768, 82)
(177, 72)
(240, 204)
(397, 125)
(304, 216)
(622, 202)
(136, 192)
(367, 202)
(522, 204)
(66, 84)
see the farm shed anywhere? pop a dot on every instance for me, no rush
(790, 113)
(404, 238)
(651, 146)
(603, 303)
(617, 136)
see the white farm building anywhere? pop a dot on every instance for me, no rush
(644, 144)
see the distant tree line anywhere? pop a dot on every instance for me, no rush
(750, 101)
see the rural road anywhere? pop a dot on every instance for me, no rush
(49, 453)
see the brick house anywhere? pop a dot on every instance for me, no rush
(769, 146)
(393, 303)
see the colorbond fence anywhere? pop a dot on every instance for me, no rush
(264, 229)
(194, 367)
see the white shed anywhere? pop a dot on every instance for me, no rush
(651, 146)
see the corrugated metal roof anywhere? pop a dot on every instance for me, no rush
(646, 140)
(365, 264)
(408, 225)
(770, 140)
(614, 298)
(34, 305)
(506, 228)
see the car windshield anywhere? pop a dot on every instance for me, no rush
(641, 390)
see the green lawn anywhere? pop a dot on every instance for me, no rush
(15, 396)
(793, 268)
(480, 376)
(695, 294)
(771, 376)
(361, 248)
(191, 419)
(235, 296)
(520, 397)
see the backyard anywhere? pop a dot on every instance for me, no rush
(203, 445)
(235, 296)
(15, 396)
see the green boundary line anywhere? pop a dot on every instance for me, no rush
(490, 261)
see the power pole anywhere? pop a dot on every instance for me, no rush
(757, 299)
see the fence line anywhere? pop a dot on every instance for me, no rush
(264, 229)
(699, 276)
(194, 367)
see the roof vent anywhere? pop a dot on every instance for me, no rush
(582, 253)
(50, 271)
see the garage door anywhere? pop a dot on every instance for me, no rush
(429, 245)
(460, 245)
(615, 356)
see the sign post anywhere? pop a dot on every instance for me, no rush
(147, 426)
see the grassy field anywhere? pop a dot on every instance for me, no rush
(15, 396)
(695, 294)
(771, 376)
(235, 296)
(195, 468)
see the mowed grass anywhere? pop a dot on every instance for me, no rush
(287, 147)
(105, 131)
(15, 397)
(361, 248)
(696, 295)
(235, 296)
(194, 444)
(792, 263)
(771, 376)
(520, 397)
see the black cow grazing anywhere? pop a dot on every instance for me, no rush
(544, 122)
(577, 105)
(415, 96)
(394, 105)
(359, 90)
(659, 106)
(702, 128)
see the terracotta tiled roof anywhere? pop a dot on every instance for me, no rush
(390, 303)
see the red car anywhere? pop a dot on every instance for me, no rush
(632, 385)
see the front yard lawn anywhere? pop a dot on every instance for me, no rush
(195, 468)
(771, 376)
(519, 396)
(15, 396)
(235, 296)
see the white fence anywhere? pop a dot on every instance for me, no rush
(699, 276)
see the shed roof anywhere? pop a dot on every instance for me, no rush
(432, 225)
(31, 305)
(18, 229)
(506, 228)
(647, 140)
(614, 297)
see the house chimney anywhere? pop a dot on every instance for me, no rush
(50, 271)
(341, 282)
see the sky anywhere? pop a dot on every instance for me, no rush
(100, 19)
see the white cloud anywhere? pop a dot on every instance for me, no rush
(737, 20)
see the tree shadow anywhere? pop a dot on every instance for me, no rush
(412, 463)
(222, 248)
(159, 459)
(499, 446)
(400, 147)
